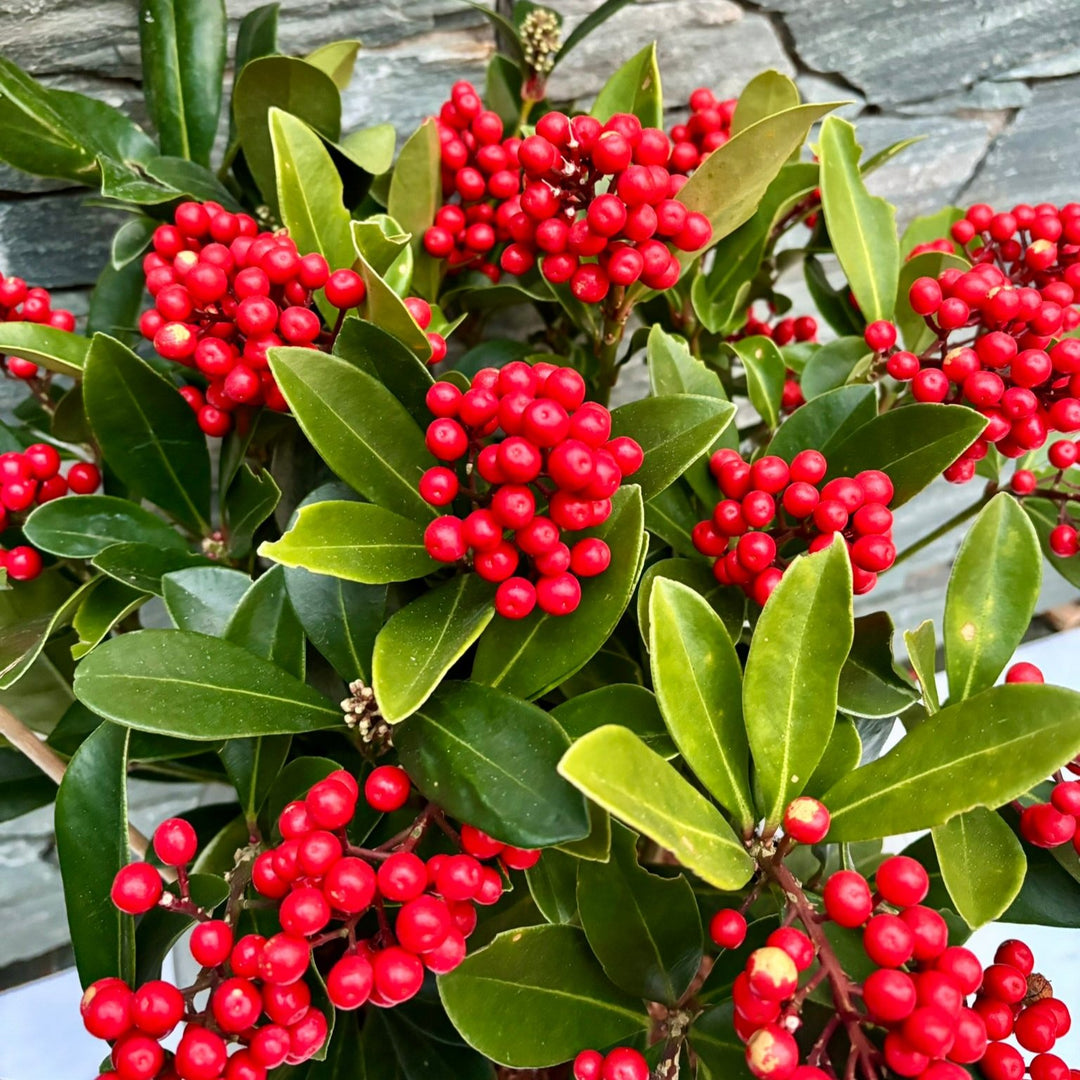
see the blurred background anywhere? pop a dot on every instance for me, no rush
(992, 85)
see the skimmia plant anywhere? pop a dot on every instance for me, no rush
(552, 744)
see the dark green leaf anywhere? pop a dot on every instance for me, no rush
(1044, 516)
(39, 609)
(842, 755)
(615, 769)
(416, 1050)
(993, 590)
(147, 432)
(92, 844)
(23, 786)
(553, 885)
(107, 604)
(983, 751)
(423, 640)
(264, 622)
(358, 427)
(632, 706)
(142, 566)
(86, 525)
(384, 356)
(545, 972)
(533, 655)
(913, 445)
(634, 88)
(869, 682)
(489, 759)
(824, 422)
(251, 499)
(671, 515)
(204, 598)
(197, 687)
(721, 1052)
(191, 179)
(645, 930)
(257, 35)
(833, 304)
(698, 681)
(799, 646)
(832, 365)
(52, 349)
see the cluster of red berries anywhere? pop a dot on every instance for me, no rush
(999, 328)
(1064, 538)
(1014, 1000)
(786, 331)
(707, 129)
(556, 448)
(30, 478)
(479, 173)
(622, 1063)
(19, 303)
(323, 887)
(770, 503)
(596, 240)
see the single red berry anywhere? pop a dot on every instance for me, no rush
(806, 820)
(772, 1053)
(350, 981)
(930, 930)
(387, 788)
(201, 1054)
(771, 973)
(402, 877)
(888, 941)
(889, 995)
(727, 928)
(1024, 672)
(847, 898)
(902, 881)
(211, 942)
(880, 336)
(422, 924)
(236, 1004)
(349, 885)
(175, 842)
(106, 1008)
(136, 888)
(795, 943)
(345, 289)
(157, 1007)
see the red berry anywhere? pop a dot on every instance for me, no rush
(106, 1008)
(156, 1008)
(211, 942)
(402, 877)
(772, 1053)
(806, 820)
(771, 973)
(136, 888)
(387, 788)
(201, 1054)
(888, 941)
(902, 881)
(847, 898)
(345, 289)
(727, 928)
(880, 336)
(1023, 672)
(889, 995)
(795, 943)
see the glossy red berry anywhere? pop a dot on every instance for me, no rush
(727, 928)
(387, 788)
(136, 888)
(806, 820)
(847, 898)
(175, 842)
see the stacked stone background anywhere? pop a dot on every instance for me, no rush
(993, 86)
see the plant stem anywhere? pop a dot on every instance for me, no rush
(606, 347)
(943, 529)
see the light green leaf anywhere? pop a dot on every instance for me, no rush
(107, 604)
(922, 230)
(634, 88)
(52, 349)
(922, 653)
(84, 526)
(833, 365)
(764, 95)
(765, 374)
(371, 148)
(415, 195)
(337, 59)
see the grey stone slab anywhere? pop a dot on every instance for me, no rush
(821, 88)
(910, 50)
(1037, 157)
(981, 97)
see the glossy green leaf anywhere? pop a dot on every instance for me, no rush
(1044, 516)
(913, 445)
(131, 240)
(983, 751)
(250, 500)
(983, 625)
(92, 845)
(264, 623)
(203, 598)
(842, 755)
(257, 35)
(671, 516)
(922, 654)
(147, 432)
(862, 226)
(415, 195)
(614, 768)
(337, 59)
(792, 673)
(116, 302)
(359, 429)
(765, 374)
(415, 1042)
(545, 972)
(52, 349)
(86, 525)
(107, 604)
(356, 541)
(372, 349)
(674, 431)
(180, 683)
(371, 148)
(764, 95)
(423, 640)
(833, 302)
(674, 370)
(634, 88)
(915, 334)
(698, 681)
(832, 365)
(385, 308)
(292, 85)
(627, 704)
(982, 863)
(32, 614)
(644, 929)
(191, 179)
(869, 682)
(183, 60)
(533, 655)
(729, 604)
(824, 422)
(489, 759)
(143, 566)
(721, 1053)
(23, 786)
(553, 886)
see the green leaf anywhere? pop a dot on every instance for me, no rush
(841, 756)
(421, 1043)
(356, 541)
(54, 350)
(1044, 516)
(180, 683)
(915, 334)
(673, 370)
(183, 59)
(862, 226)
(310, 195)
(147, 432)
(293, 86)
(832, 365)
(337, 59)
(993, 590)
(131, 240)
(105, 605)
(295, 780)
(614, 768)
(982, 863)
(765, 374)
(358, 428)
(203, 598)
(764, 95)
(116, 301)
(833, 304)
(251, 499)
(626, 704)
(922, 230)
(489, 759)
(371, 148)
(546, 972)
(671, 515)
(983, 751)
(913, 445)
(634, 88)
(645, 930)
(423, 640)
(264, 623)
(698, 681)
(531, 656)
(257, 35)
(142, 566)
(922, 653)
(824, 422)
(86, 525)
(415, 195)
(729, 604)
(92, 844)
(869, 683)
(792, 673)
(190, 178)
(31, 615)
(385, 308)
(553, 886)
(340, 618)
(385, 357)
(673, 431)
(721, 1053)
